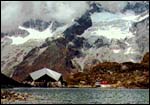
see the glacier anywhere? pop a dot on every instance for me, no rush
(33, 34)
(110, 25)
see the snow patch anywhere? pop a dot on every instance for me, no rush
(33, 34)
(112, 33)
(127, 43)
(130, 50)
(116, 50)
(103, 16)
(132, 60)
(129, 17)
(140, 18)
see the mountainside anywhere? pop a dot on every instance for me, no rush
(98, 35)
(125, 75)
(112, 40)
(8, 82)
(55, 56)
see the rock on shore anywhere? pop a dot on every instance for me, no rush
(11, 96)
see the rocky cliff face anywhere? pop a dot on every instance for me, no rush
(146, 58)
(137, 7)
(142, 35)
(7, 82)
(12, 55)
(55, 56)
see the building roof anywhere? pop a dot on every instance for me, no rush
(39, 73)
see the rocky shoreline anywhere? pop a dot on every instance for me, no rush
(11, 96)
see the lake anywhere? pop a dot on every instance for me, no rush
(84, 96)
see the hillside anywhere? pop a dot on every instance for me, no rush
(8, 82)
(127, 74)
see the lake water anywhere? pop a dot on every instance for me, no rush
(84, 96)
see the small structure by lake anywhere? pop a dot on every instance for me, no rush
(104, 84)
(45, 78)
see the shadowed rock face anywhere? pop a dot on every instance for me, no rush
(8, 82)
(142, 35)
(37, 24)
(40, 24)
(56, 57)
(146, 58)
(81, 25)
(138, 7)
(96, 8)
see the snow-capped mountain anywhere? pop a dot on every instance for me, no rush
(98, 35)
(15, 47)
(111, 38)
